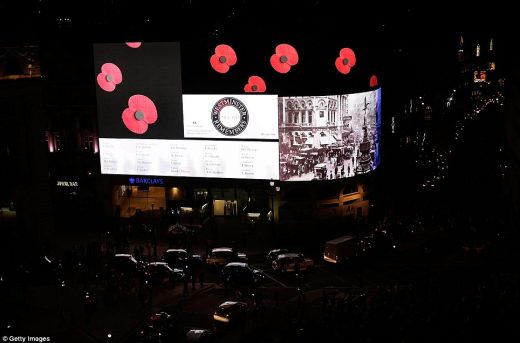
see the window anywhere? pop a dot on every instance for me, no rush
(47, 146)
(88, 142)
(322, 114)
(58, 142)
(310, 117)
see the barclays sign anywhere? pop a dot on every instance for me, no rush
(148, 181)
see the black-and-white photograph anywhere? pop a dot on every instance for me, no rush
(329, 137)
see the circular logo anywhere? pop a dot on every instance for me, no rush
(229, 116)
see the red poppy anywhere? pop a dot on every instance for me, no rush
(255, 84)
(223, 58)
(109, 77)
(373, 81)
(134, 45)
(140, 113)
(284, 58)
(345, 61)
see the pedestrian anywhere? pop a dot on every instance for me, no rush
(201, 278)
(136, 253)
(186, 291)
(141, 251)
(142, 296)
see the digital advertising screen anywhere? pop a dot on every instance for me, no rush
(329, 137)
(147, 126)
(236, 116)
(194, 158)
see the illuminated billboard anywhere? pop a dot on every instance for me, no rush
(193, 158)
(148, 127)
(230, 116)
(329, 137)
(479, 76)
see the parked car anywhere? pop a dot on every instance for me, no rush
(179, 258)
(241, 275)
(230, 313)
(291, 262)
(126, 264)
(160, 273)
(200, 335)
(176, 258)
(272, 254)
(222, 256)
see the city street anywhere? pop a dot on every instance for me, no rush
(289, 301)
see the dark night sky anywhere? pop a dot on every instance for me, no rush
(415, 44)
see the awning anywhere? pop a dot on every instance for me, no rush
(327, 140)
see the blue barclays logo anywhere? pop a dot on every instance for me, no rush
(146, 181)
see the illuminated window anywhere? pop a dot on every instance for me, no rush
(58, 142)
(477, 50)
(64, 23)
(88, 142)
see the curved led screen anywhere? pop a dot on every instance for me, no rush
(148, 127)
(329, 137)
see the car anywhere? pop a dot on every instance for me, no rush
(160, 273)
(179, 258)
(200, 335)
(230, 313)
(272, 254)
(176, 258)
(126, 264)
(241, 275)
(195, 261)
(159, 327)
(222, 256)
(291, 262)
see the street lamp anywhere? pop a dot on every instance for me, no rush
(271, 194)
